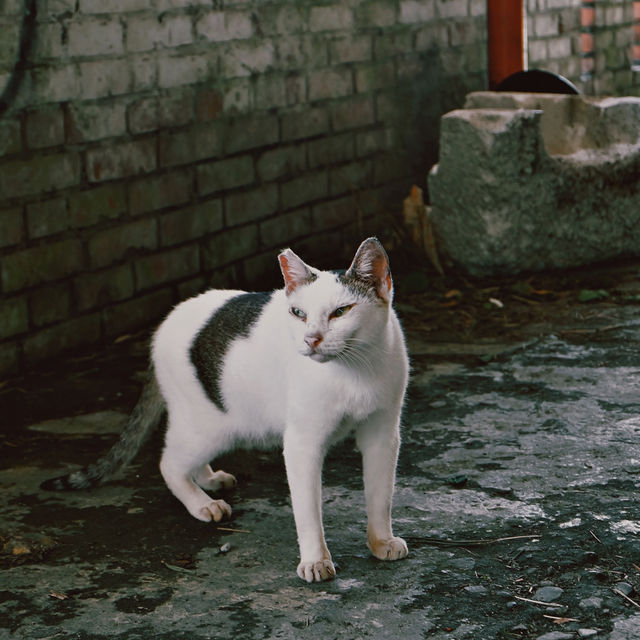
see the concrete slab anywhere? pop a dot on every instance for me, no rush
(516, 473)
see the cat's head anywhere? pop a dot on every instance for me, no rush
(338, 315)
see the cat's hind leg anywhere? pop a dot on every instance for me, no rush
(212, 480)
(180, 480)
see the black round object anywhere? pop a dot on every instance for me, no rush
(537, 81)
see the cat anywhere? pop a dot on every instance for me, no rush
(305, 365)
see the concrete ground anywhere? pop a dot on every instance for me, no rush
(516, 492)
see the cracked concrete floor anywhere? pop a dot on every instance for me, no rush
(517, 493)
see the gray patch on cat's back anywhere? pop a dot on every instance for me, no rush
(233, 320)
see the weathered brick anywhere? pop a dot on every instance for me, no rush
(278, 90)
(103, 78)
(95, 37)
(111, 245)
(109, 6)
(209, 105)
(302, 52)
(373, 141)
(99, 288)
(561, 48)
(87, 122)
(351, 49)
(370, 77)
(354, 112)
(305, 123)
(9, 358)
(241, 134)
(330, 17)
(11, 227)
(140, 312)
(149, 114)
(160, 192)
(56, 84)
(50, 304)
(221, 26)
(121, 160)
(282, 162)
(390, 44)
(247, 206)
(44, 128)
(14, 316)
(94, 205)
(161, 30)
(334, 213)
(237, 97)
(39, 174)
(431, 36)
(199, 142)
(10, 141)
(415, 11)
(177, 71)
(379, 13)
(144, 72)
(452, 8)
(41, 264)
(262, 272)
(59, 338)
(282, 229)
(230, 245)
(49, 42)
(191, 223)
(48, 217)
(167, 266)
(225, 174)
(546, 24)
(244, 58)
(350, 178)
(306, 188)
(330, 83)
(330, 150)
(275, 19)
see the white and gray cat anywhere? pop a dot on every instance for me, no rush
(306, 365)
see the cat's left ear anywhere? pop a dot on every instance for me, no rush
(294, 271)
(371, 265)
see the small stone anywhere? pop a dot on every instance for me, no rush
(587, 633)
(476, 589)
(593, 602)
(555, 635)
(548, 594)
(624, 588)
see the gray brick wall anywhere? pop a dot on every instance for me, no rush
(157, 147)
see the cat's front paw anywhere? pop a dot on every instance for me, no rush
(215, 510)
(317, 571)
(391, 549)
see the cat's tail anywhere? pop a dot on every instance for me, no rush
(145, 416)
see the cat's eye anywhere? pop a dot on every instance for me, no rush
(298, 313)
(340, 311)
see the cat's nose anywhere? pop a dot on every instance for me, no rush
(313, 339)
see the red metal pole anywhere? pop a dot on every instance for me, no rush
(506, 39)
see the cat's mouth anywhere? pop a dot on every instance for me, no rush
(319, 357)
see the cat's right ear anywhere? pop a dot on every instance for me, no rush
(294, 271)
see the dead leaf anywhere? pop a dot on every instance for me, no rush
(58, 596)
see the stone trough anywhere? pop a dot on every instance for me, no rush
(529, 181)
